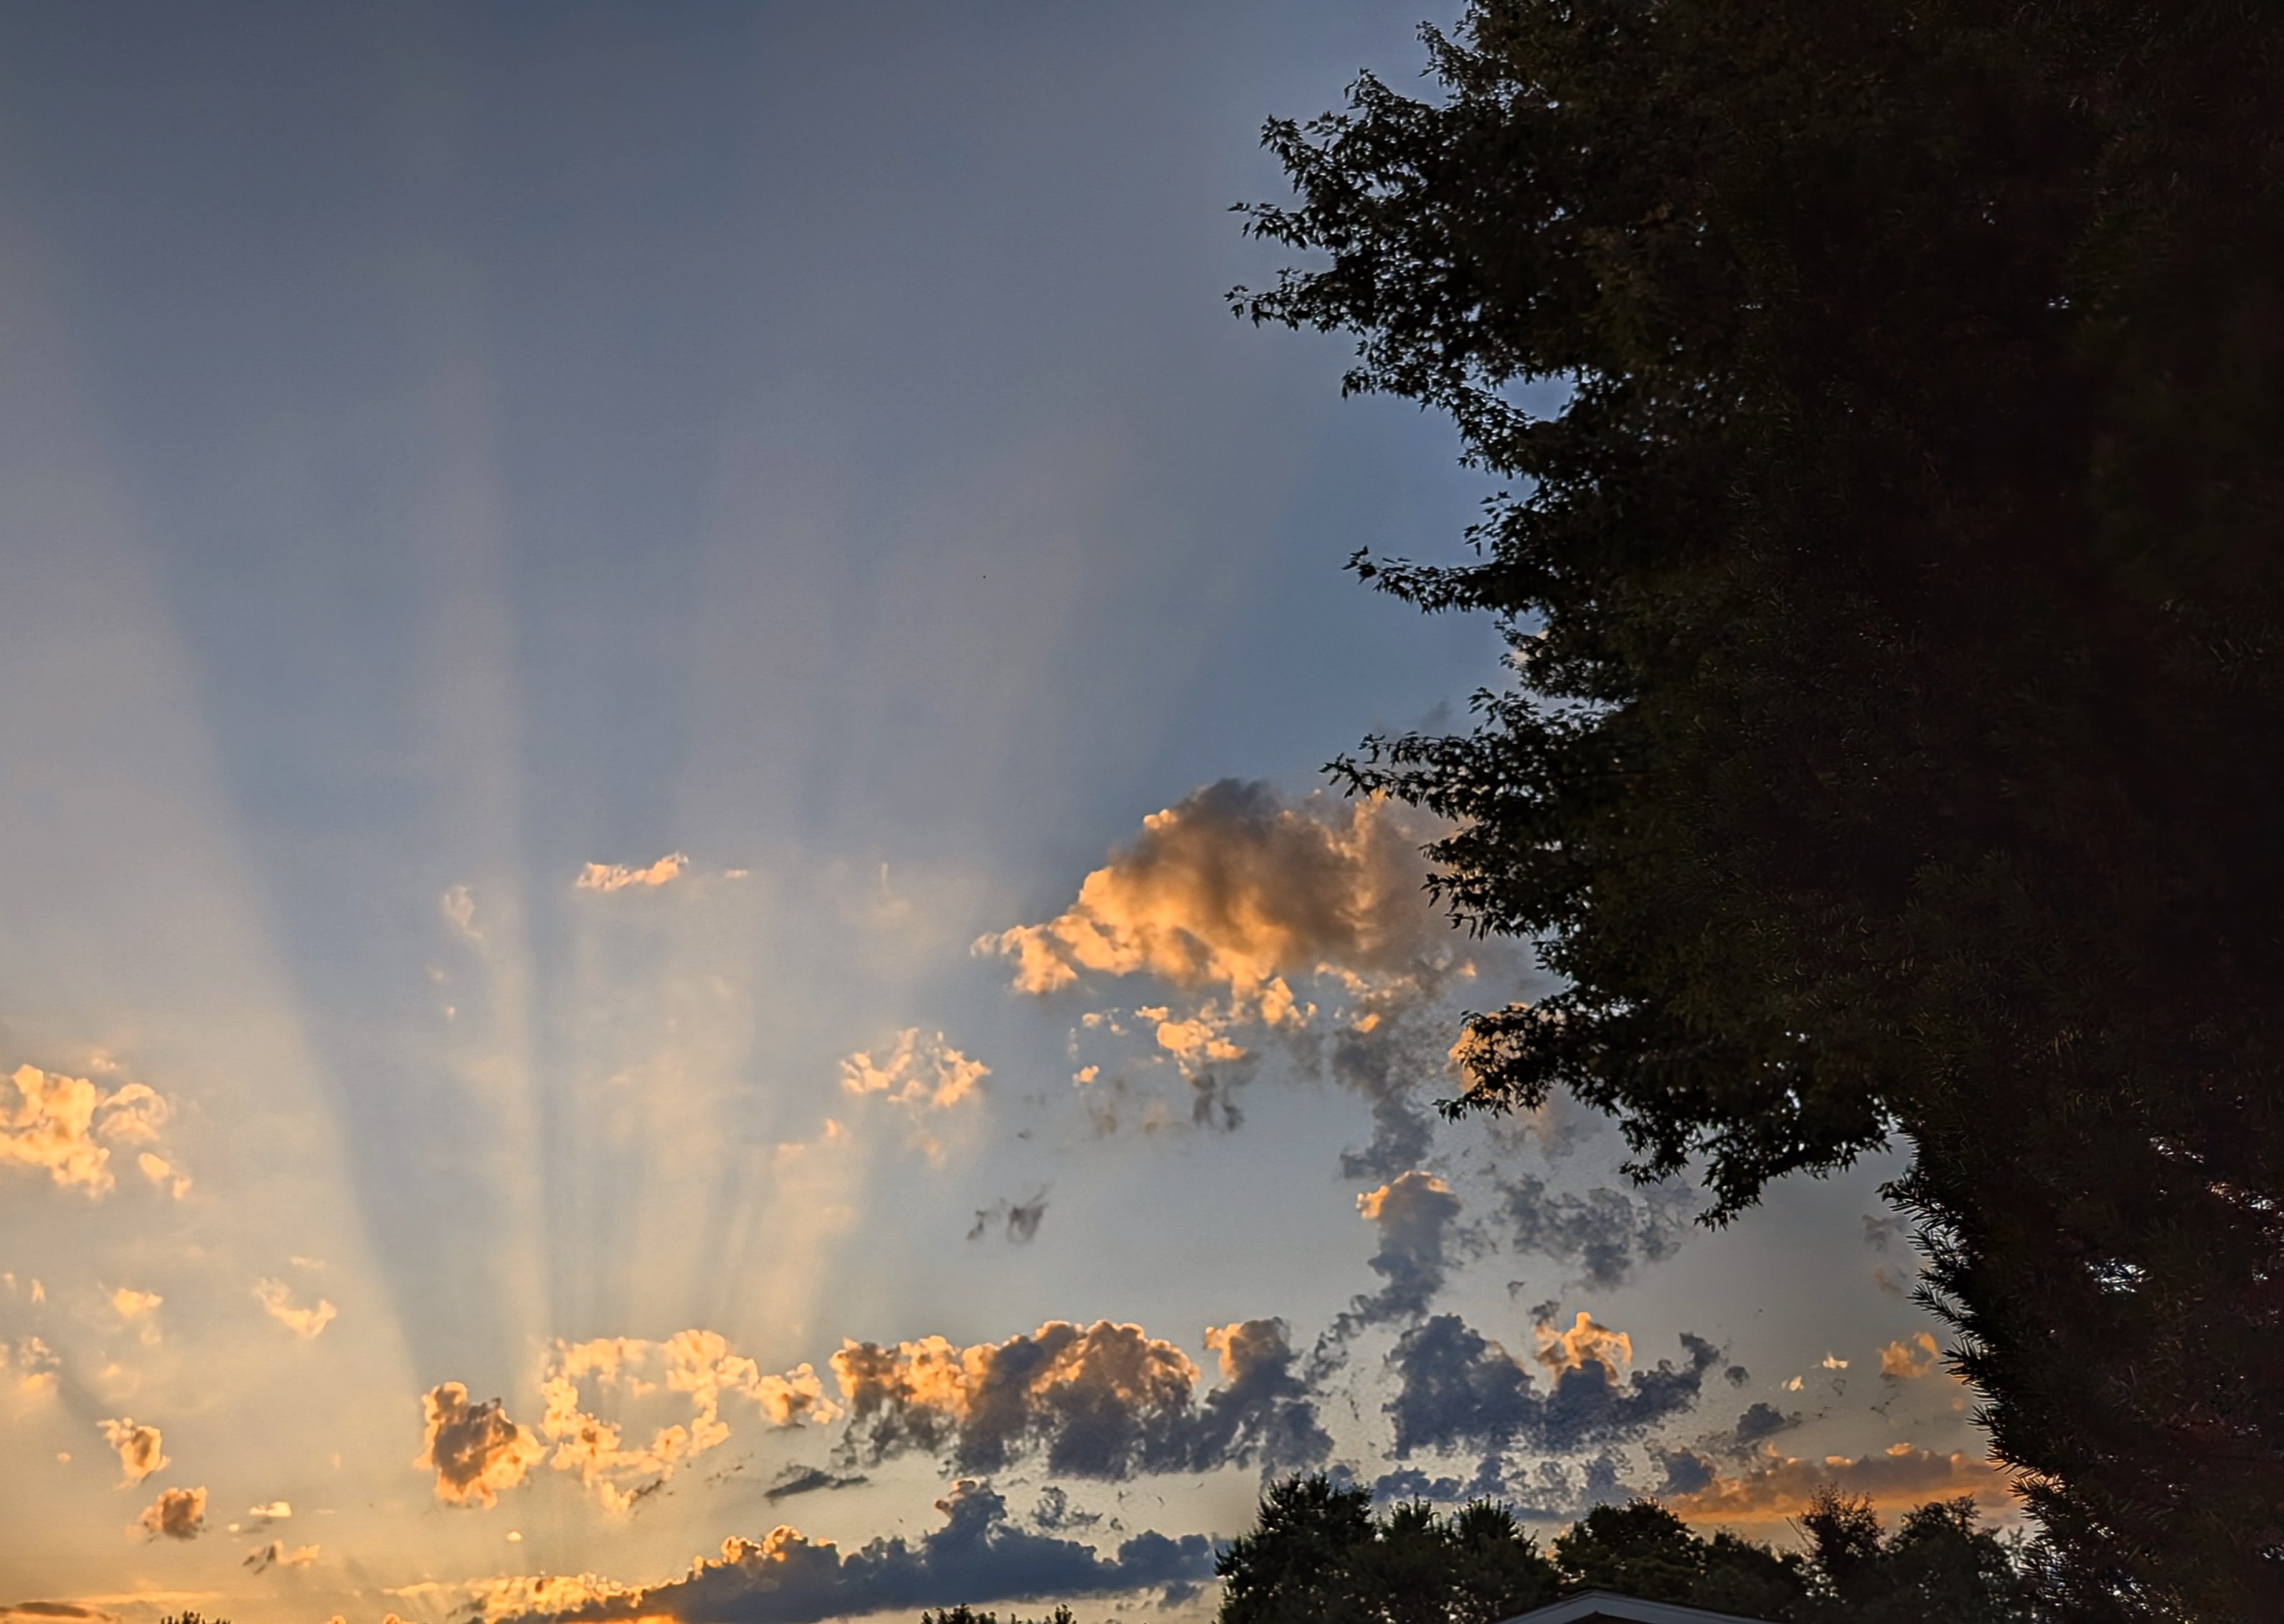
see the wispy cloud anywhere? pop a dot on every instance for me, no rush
(618, 877)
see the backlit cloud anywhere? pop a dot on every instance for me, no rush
(277, 1300)
(474, 1449)
(30, 1368)
(615, 876)
(1104, 1401)
(699, 1370)
(276, 1553)
(176, 1514)
(140, 1449)
(1235, 892)
(1414, 1214)
(978, 1557)
(1909, 1359)
(1456, 1390)
(56, 1124)
(1608, 1234)
(1778, 1488)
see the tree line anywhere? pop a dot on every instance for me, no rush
(1319, 1553)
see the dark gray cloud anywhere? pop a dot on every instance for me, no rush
(808, 1480)
(1686, 1472)
(1887, 1234)
(977, 1557)
(1018, 1220)
(176, 1514)
(1103, 1401)
(1608, 1234)
(1761, 1421)
(1379, 1067)
(1414, 1215)
(1458, 1391)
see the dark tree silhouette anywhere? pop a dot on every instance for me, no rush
(1897, 620)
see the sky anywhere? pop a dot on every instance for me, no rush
(671, 942)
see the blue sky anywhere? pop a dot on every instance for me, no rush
(576, 583)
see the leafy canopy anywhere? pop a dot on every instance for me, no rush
(1897, 617)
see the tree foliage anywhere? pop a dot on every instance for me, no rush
(1896, 605)
(1319, 1552)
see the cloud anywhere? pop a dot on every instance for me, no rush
(140, 1450)
(262, 1559)
(1414, 1214)
(1908, 1361)
(808, 1480)
(1778, 1489)
(979, 1556)
(698, 1365)
(1021, 1219)
(57, 1122)
(458, 907)
(1608, 1233)
(176, 1514)
(276, 1300)
(1761, 1422)
(925, 1076)
(920, 1072)
(614, 877)
(133, 1306)
(1104, 1401)
(32, 1366)
(48, 1612)
(1234, 890)
(1887, 1234)
(474, 1449)
(1458, 1390)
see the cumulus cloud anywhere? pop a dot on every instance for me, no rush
(1608, 1234)
(1020, 1220)
(925, 1076)
(474, 1449)
(1234, 890)
(1104, 1401)
(1257, 911)
(1761, 1423)
(31, 1368)
(978, 1557)
(1456, 1390)
(616, 877)
(140, 1450)
(699, 1367)
(262, 1559)
(1414, 1214)
(176, 1514)
(57, 1123)
(276, 1300)
(1909, 1359)
(1778, 1489)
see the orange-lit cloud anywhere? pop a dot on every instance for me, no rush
(277, 1300)
(616, 877)
(141, 1452)
(474, 1449)
(699, 1366)
(30, 1368)
(176, 1514)
(1779, 1488)
(262, 1559)
(1584, 1344)
(1234, 892)
(1103, 1401)
(914, 1071)
(57, 1122)
(1908, 1361)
